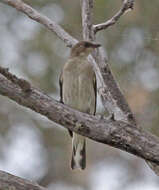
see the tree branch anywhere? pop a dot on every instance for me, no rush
(127, 5)
(114, 133)
(112, 97)
(35, 15)
(23, 84)
(11, 182)
(87, 17)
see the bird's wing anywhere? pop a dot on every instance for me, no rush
(61, 98)
(95, 92)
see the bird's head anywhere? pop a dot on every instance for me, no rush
(83, 48)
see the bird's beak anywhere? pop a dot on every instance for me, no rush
(96, 45)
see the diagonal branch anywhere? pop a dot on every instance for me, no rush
(107, 131)
(11, 182)
(35, 15)
(127, 5)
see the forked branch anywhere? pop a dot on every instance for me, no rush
(127, 5)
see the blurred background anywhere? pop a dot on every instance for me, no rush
(35, 148)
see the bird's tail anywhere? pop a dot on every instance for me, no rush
(78, 152)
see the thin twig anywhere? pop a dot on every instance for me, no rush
(127, 5)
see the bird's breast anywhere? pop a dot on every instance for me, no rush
(78, 90)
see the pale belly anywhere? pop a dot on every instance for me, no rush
(78, 93)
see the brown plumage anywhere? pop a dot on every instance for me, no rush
(78, 90)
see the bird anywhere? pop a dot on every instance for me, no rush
(78, 90)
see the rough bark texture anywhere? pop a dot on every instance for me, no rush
(11, 182)
(118, 134)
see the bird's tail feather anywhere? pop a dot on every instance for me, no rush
(78, 152)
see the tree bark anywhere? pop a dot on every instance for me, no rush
(11, 182)
(118, 134)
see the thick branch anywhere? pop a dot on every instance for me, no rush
(11, 182)
(114, 133)
(127, 5)
(35, 15)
